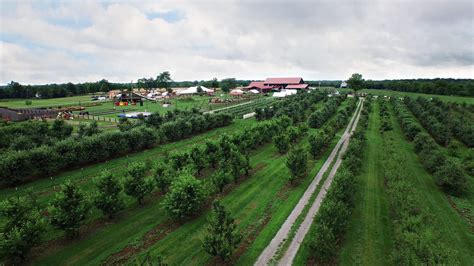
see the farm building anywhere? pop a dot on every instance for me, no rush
(258, 85)
(282, 83)
(277, 84)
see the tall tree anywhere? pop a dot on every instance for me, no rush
(355, 82)
(228, 84)
(137, 184)
(214, 83)
(69, 209)
(109, 196)
(222, 235)
(163, 80)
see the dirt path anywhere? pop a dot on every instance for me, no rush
(290, 253)
(282, 234)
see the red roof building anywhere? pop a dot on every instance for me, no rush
(286, 83)
(297, 86)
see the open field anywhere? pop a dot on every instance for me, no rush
(20, 103)
(398, 94)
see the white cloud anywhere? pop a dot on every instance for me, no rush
(243, 39)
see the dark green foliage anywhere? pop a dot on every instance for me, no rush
(451, 178)
(221, 178)
(282, 142)
(109, 194)
(320, 116)
(22, 228)
(69, 209)
(137, 183)
(297, 162)
(316, 143)
(198, 158)
(164, 174)
(222, 236)
(185, 198)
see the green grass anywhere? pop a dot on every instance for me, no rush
(200, 102)
(369, 240)
(20, 103)
(446, 98)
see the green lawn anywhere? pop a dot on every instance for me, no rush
(369, 240)
(447, 98)
(108, 109)
(20, 103)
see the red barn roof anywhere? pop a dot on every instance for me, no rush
(257, 84)
(297, 86)
(276, 81)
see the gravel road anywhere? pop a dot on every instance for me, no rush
(290, 253)
(282, 234)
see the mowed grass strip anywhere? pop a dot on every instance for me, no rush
(369, 235)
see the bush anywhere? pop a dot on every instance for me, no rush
(185, 198)
(451, 178)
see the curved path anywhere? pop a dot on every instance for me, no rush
(282, 234)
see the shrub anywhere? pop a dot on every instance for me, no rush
(185, 197)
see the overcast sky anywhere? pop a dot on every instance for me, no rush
(62, 41)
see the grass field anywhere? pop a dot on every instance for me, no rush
(20, 103)
(369, 235)
(391, 93)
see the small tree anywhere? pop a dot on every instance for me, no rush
(22, 228)
(137, 184)
(222, 235)
(109, 196)
(92, 129)
(197, 157)
(297, 162)
(69, 209)
(185, 197)
(163, 174)
(316, 144)
(282, 142)
(221, 178)
(451, 178)
(355, 82)
(163, 80)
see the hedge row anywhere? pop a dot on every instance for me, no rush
(17, 166)
(437, 129)
(417, 238)
(447, 172)
(320, 116)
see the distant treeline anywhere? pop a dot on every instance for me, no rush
(17, 90)
(461, 87)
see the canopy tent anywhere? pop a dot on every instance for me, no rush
(254, 91)
(284, 93)
(194, 90)
(236, 92)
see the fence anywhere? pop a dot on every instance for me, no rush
(96, 118)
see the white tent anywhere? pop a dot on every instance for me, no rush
(284, 93)
(236, 92)
(254, 91)
(194, 90)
